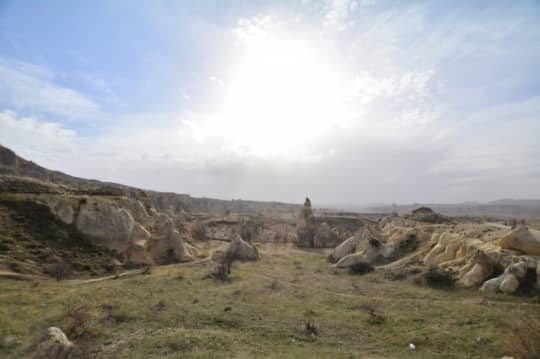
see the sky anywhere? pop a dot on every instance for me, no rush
(351, 102)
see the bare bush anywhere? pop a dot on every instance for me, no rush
(147, 270)
(59, 270)
(77, 321)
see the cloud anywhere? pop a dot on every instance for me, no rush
(42, 141)
(33, 88)
(441, 105)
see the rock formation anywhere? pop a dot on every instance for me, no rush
(54, 344)
(473, 254)
(306, 226)
(522, 240)
(241, 250)
(426, 214)
(325, 230)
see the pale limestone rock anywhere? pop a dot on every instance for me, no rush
(509, 284)
(481, 270)
(54, 344)
(107, 224)
(61, 208)
(448, 254)
(521, 239)
(345, 248)
(139, 235)
(492, 285)
(350, 260)
(241, 250)
(509, 281)
(167, 245)
(438, 249)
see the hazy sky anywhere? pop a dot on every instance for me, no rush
(348, 101)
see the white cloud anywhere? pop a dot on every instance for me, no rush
(32, 88)
(437, 109)
(42, 141)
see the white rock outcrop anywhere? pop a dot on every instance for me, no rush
(54, 344)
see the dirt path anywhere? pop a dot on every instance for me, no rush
(134, 272)
(19, 276)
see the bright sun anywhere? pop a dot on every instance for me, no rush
(280, 96)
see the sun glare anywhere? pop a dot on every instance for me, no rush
(280, 96)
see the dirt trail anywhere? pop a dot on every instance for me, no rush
(134, 272)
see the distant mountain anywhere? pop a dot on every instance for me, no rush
(516, 202)
(503, 208)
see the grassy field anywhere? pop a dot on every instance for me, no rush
(261, 313)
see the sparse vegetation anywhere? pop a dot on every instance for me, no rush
(77, 321)
(381, 318)
(434, 278)
(59, 270)
(360, 268)
(34, 241)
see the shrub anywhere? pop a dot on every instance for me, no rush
(59, 270)
(77, 321)
(312, 328)
(147, 269)
(434, 278)
(360, 268)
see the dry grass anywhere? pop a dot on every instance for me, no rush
(523, 338)
(160, 316)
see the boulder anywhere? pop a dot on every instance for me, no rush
(509, 284)
(325, 237)
(350, 260)
(168, 245)
(492, 285)
(521, 239)
(107, 224)
(480, 271)
(509, 281)
(375, 253)
(345, 248)
(241, 250)
(54, 344)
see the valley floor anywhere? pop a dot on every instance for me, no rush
(261, 313)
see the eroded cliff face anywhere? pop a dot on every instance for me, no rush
(119, 224)
(141, 227)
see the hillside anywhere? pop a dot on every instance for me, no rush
(12, 164)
